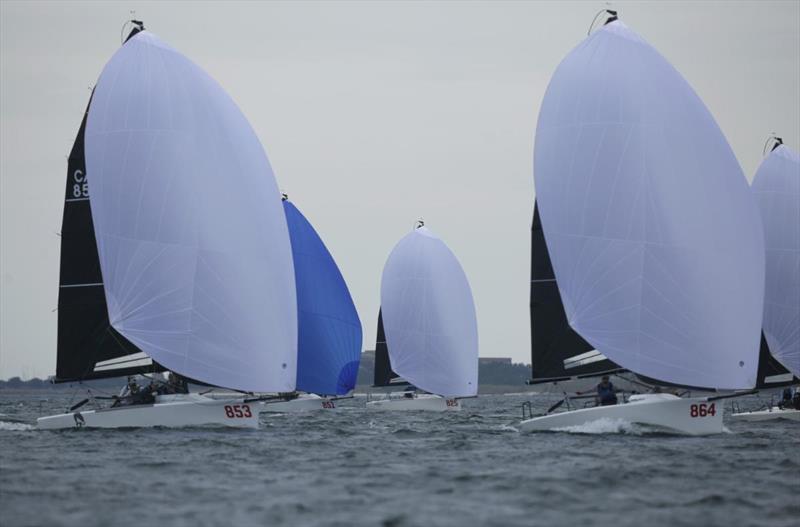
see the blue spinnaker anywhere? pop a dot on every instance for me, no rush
(329, 330)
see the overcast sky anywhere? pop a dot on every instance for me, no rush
(373, 115)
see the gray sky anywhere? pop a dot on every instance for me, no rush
(372, 114)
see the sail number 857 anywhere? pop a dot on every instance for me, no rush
(703, 410)
(238, 410)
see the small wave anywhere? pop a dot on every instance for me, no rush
(16, 427)
(604, 425)
(507, 428)
(406, 432)
(376, 426)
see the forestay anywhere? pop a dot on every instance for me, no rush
(654, 237)
(429, 317)
(329, 331)
(193, 244)
(777, 189)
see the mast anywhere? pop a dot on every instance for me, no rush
(557, 352)
(88, 347)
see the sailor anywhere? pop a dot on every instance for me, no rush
(177, 383)
(786, 399)
(796, 399)
(128, 393)
(606, 393)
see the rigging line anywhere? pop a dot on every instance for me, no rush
(594, 20)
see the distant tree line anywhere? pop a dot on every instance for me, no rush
(496, 373)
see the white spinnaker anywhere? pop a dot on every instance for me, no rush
(777, 190)
(654, 236)
(429, 316)
(193, 243)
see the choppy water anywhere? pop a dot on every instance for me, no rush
(358, 467)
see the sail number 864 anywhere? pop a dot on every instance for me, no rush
(703, 410)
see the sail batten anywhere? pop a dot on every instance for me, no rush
(191, 235)
(429, 317)
(654, 239)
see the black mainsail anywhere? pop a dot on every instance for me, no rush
(384, 375)
(557, 352)
(88, 347)
(771, 373)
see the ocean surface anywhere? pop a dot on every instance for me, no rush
(357, 467)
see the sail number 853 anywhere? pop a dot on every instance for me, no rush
(238, 410)
(703, 410)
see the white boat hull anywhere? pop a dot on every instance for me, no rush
(168, 411)
(303, 403)
(692, 416)
(424, 402)
(771, 414)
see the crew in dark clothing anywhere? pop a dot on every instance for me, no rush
(606, 393)
(178, 383)
(786, 399)
(796, 399)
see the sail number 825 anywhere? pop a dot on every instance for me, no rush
(703, 410)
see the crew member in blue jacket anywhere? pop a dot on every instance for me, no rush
(606, 393)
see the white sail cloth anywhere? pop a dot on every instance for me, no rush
(654, 236)
(193, 243)
(429, 317)
(777, 189)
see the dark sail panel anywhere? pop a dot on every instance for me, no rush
(557, 352)
(384, 375)
(771, 373)
(85, 336)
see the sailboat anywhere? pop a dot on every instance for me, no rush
(776, 186)
(427, 327)
(653, 235)
(329, 330)
(175, 254)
